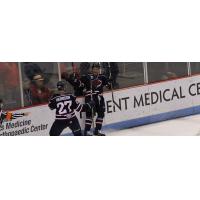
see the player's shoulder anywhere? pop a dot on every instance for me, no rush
(54, 96)
(73, 97)
(58, 95)
(67, 96)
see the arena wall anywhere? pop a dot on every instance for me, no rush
(132, 107)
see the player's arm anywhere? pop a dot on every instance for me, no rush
(99, 83)
(107, 82)
(73, 79)
(81, 107)
(52, 103)
(79, 82)
(68, 78)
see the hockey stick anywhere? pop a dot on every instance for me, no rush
(111, 85)
(92, 99)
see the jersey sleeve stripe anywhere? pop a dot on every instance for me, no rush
(80, 108)
(79, 105)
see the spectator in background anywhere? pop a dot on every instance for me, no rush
(32, 69)
(39, 92)
(27, 92)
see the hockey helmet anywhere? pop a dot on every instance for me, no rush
(61, 85)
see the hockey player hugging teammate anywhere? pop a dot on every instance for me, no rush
(8, 116)
(65, 104)
(93, 84)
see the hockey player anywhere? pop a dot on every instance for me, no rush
(8, 116)
(74, 77)
(65, 105)
(94, 83)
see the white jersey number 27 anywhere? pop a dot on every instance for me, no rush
(64, 107)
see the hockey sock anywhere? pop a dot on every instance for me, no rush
(99, 122)
(88, 124)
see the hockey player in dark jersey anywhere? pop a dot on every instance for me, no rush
(8, 116)
(65, 105)
(94, 83)
(75, 77)
(72, 78)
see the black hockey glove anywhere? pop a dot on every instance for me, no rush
(65, 76)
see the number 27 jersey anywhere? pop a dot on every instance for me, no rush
(65, 105)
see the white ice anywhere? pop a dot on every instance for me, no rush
(186, 126)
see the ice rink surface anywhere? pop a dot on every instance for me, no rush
(186, 126)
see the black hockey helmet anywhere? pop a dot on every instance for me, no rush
(61, 85)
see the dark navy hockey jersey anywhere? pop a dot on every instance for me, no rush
(93, 83)
(65, 105)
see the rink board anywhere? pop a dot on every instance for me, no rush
(133, 106)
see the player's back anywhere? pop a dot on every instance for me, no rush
(63, 103)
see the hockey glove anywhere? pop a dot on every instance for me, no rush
(65, 76)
